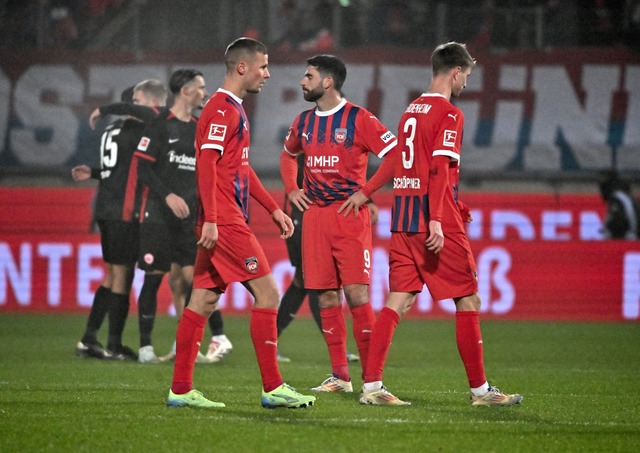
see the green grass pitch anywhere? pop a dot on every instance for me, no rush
(580, 381)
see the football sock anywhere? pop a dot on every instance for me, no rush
(216, 324)
(314, 306)
(147, 306)
(363, 321)
(264, 335)
(118, 312)
(469, 340)
(99, 310)
(289, 306)
(379, 344)
(335, 334)
(188, 338)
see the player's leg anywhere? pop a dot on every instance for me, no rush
(89, 346)
(373, 392)
(470, 348)
(188, 337)
(123, 252)
(264, 335)
(155, 260)
(219, 345)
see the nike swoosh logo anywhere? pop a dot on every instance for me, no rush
(173, 140)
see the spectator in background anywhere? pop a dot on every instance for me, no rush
(623, 211)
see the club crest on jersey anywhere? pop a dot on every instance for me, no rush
(149, 258)
(449, 138)
(251, 264)
(144, 144)
(217, 132)
(340, 135)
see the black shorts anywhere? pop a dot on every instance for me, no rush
(164, 243)
(294, 243)
(119, 241)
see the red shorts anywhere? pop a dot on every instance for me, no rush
(336, 250)
(236, 257)
(449, 274)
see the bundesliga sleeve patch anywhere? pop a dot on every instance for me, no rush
(217, 132)
(449, 138)
(144, 144)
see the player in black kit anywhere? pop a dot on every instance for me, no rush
(114, 213)
(166, 157)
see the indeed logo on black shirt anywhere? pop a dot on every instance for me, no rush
(184, 162)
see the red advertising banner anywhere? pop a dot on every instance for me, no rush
(540, 257)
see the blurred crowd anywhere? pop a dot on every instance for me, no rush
(323, 24)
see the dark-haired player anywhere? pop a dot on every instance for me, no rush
(336, 137)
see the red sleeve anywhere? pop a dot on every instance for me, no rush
(207, 184)
(381, 176)
(464, 210)
(260, 194)
(438, 182)
(289, 172)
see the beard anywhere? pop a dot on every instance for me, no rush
(313, 95)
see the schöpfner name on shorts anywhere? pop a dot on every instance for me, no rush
(406, 183)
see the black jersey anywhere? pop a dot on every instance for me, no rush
(167, 149)
(116, 190)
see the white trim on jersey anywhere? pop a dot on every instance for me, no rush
(333, 110)
(284, 148)
(446, 152)
(389, 147)
(218, 148)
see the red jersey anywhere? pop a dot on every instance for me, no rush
(336, 144)
(430, 126)
(223, 138)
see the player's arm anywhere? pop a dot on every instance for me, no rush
(438, 183)
(289, 175)
(150, 146)
(382, 176)
(260, 194)
(206, 182)
(141, 112)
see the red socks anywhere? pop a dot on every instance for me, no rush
(363, 321)
(264, 335)
(381, 338)
(334, 330)
(469, 340)
(188, 338)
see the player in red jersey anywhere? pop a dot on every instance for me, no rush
(429, 244)
(228, 251)
(336, 137)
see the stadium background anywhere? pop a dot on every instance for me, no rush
(554, 101)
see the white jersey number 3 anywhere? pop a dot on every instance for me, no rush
(409, 129)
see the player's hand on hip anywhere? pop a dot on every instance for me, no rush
(435, 241)
(354, 202)
(177, 205)
(93, 118)
(299, 199)
(209, 235)
(81, 173)
(284, 223)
